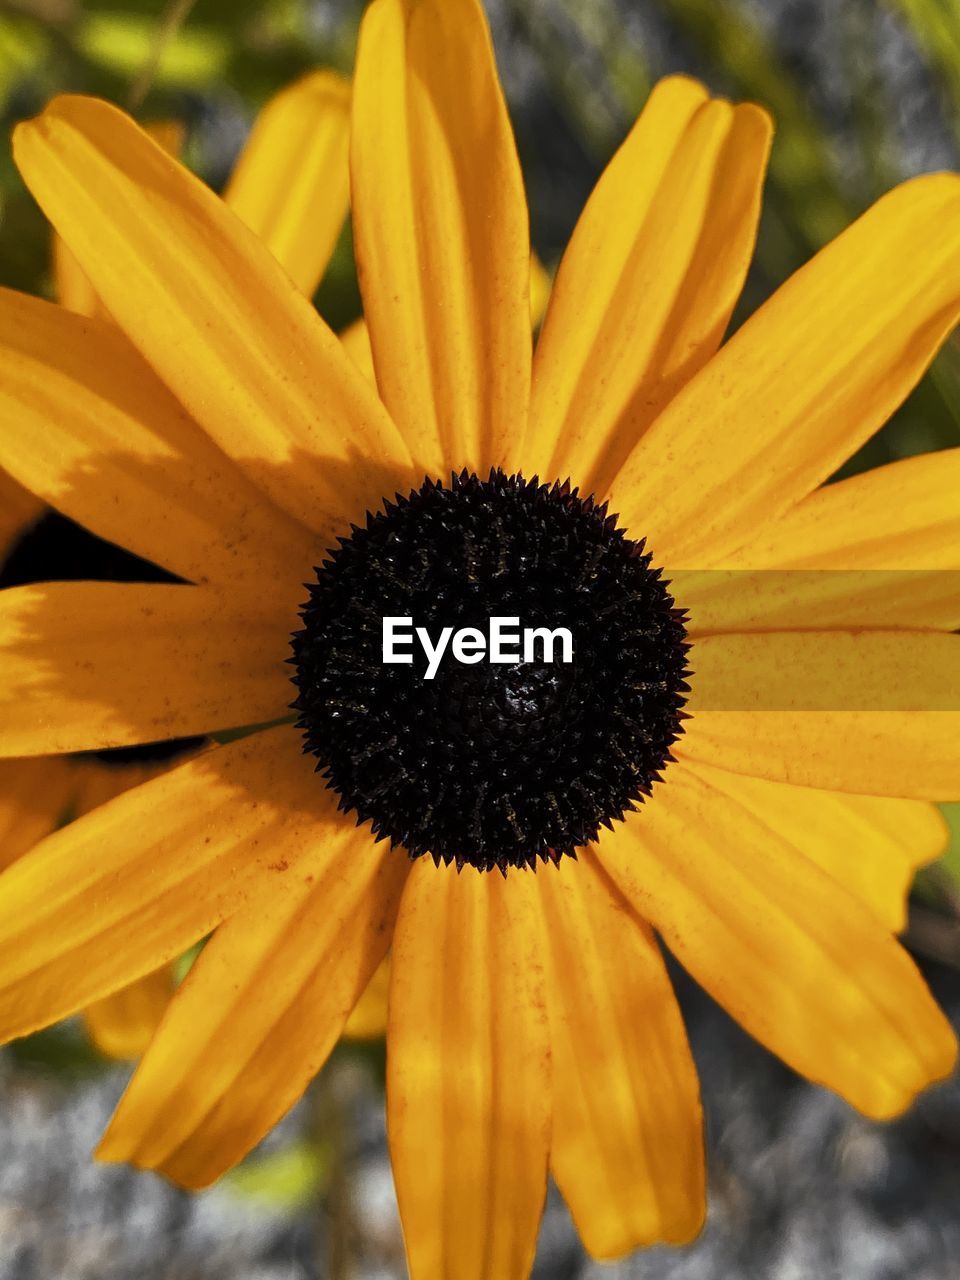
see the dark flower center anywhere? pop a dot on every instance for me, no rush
(495, 763)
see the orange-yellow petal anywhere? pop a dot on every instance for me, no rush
(71, 283)
(35, 795)
(291, 183)
(647, 285)
(627, 1145)
(869, 844)
(468, 1073)
(213, 311)
(368, 1018)
(914, 754)
(441, 231)
(261, 1009)
(87, 425)
(133, 884)
(773, 671)
(101, 664)
(122, 1025)
(541, 284)
(796, 707)
(802, 964)
(806, 380)
(356, 336)
(356, 342)
(880, 549)
(905, 515)
(19, 508)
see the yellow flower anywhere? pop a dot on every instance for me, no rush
(229, 437)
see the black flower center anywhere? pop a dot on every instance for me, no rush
(495, 763)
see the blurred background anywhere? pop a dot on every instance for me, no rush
(865, 93)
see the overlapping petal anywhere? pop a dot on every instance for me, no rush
(806, 380)
(123, 1023)
(627, 1144)
(73, 289)
(291, 182)
(261, 1009)
(214, 313)
(647, 285)
(805, 967)
(469, 1065)
(441, 234)
(86, 425)
(880, 549)
(873, 712)
(18, 509)
(872, 845)
(89, 665)
(914, 754)
(133, 884)
(368, 1018)
(35, 795)
(809, 670)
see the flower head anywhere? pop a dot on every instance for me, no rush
(226, 434)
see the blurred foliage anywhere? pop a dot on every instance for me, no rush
(283, 1179)
(64, 1050)
(952, 856)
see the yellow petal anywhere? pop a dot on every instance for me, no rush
(99, 780)
(775, 671)
(356, 342)
(87, 425)
(468, 1073)
(869, 844)
(905, 515)
(356, 336)
(627, 1146)
(34, 796)
(540, 286)
(647, 285)
(291, 182)
(122, 1025)
(805, 381)
(72, 285)
(211, 309)
(880, 549)
(914, 754)
(18, 510)
(368, 1019)
(803, 965)
(440, 228)
(772, 683)
(100, 664)
(260, 1010)
(133, 884)
(719, 600)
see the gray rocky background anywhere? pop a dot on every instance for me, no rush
(801, 1187)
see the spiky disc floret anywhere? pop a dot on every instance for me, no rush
(495, 765)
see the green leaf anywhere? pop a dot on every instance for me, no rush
(286, 1179)
(196, 55)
